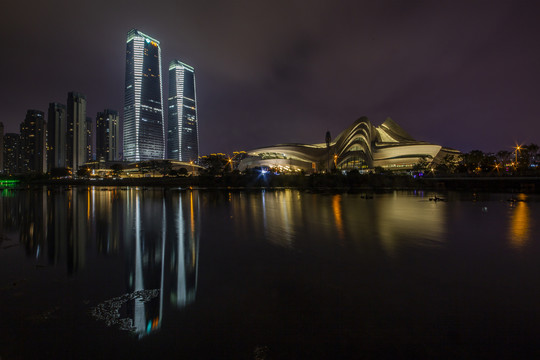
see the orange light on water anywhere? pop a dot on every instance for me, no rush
(520, 223)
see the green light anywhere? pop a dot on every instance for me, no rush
(7, 193)
(9, 183)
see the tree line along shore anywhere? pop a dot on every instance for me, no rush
(349, 181)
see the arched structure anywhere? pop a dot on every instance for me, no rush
(360, 146)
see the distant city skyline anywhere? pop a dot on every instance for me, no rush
(461, 74)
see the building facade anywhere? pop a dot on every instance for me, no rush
(56, 136)
(108, 135)
(361, 146)
(182, 127)
(76, 139)
(144, 137)
(11, 153)
(89, 139)
(33, 142)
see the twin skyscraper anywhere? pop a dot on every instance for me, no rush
(144, 126)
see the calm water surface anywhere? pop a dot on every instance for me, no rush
(163, 273)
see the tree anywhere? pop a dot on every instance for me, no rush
(532, 153)
(182, 172)
(83, 172)
(477, 161)
(448, 164)
(154, 166)
(59, 172)
(116, 169)
(504, 156)
(215, 164)
(166, 167)
(421, 166)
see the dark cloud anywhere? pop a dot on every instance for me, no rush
(460, 73)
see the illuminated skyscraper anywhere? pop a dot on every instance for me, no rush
(76, 154)
(144, 136)
(89, 136)
(182, 128)
(107, 135)
(56, 136)
(33, 142)
(11, 153)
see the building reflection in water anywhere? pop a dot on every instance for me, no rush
(520, 223)
(409, 221)
(157, 231)
(388, 221)
(278, 214)
(162, 240)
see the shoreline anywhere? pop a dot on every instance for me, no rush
(322, 182)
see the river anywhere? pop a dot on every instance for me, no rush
(110, 272)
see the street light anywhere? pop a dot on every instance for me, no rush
(518, 148)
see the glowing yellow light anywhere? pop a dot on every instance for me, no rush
(520, 224)
(336, 207)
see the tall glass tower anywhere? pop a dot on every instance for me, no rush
(56, 136)
(76, 148)
(182, 127)
(144, 136)
(107, 136)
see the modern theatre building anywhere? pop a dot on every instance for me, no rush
(361, 146)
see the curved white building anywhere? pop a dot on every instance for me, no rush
(361, 146)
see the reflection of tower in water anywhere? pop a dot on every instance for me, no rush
(32, 222)
(183, 247)
(164, 252)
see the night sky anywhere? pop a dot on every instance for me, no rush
(462, 74)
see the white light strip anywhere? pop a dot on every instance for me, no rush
(138, 51)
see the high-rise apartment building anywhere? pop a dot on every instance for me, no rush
(11, 153)
(33, 143)
(76, 140)
(89, 139)
(144, 136)
(182, 127)
(107, 135)
(56, 136)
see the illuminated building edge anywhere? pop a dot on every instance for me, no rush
(361, 146)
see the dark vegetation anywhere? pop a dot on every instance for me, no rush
(476, 170)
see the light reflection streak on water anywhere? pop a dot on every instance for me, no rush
(193, 245)
(279, 215)
(263, 196)
(336, 206)
(520, 223)
(173, 268)
(139, 313)
(163, 242)
(181, 278)
(408, 221)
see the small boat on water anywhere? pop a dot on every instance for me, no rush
(436, 198)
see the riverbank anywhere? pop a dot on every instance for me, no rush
(367, 182)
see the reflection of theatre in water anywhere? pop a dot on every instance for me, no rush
(162, 242)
